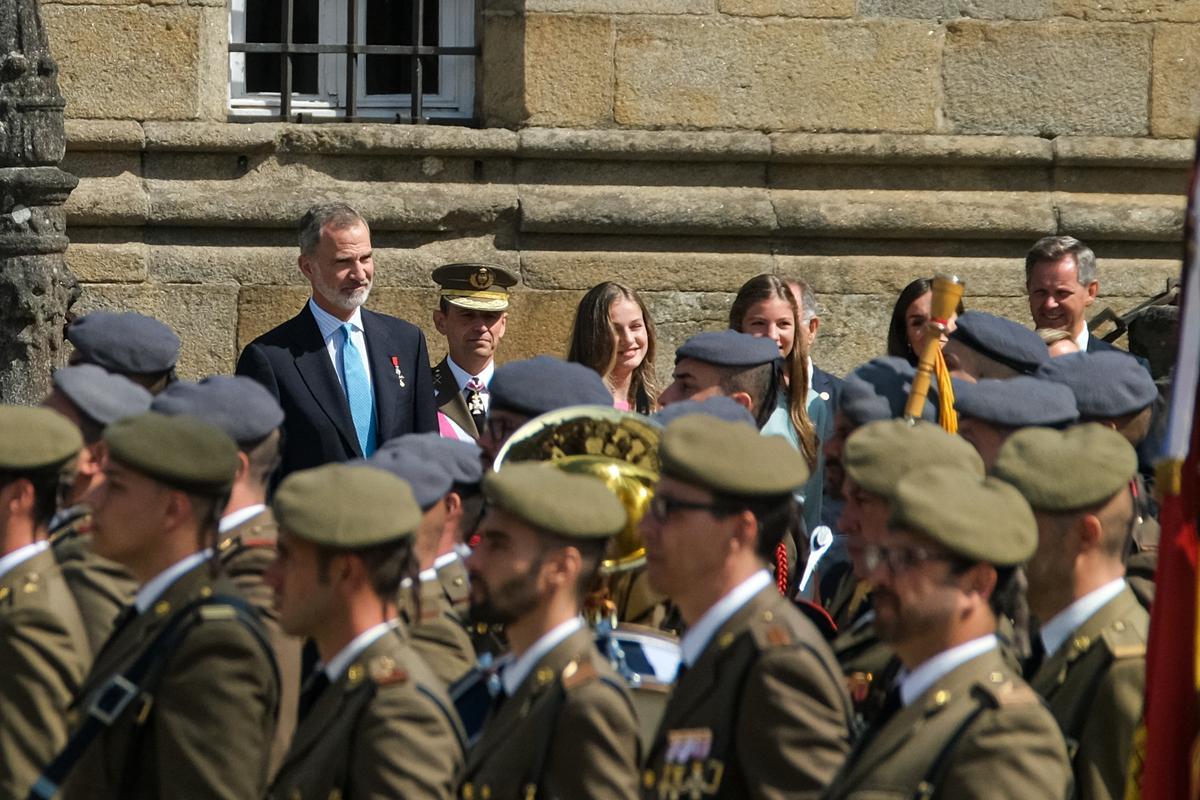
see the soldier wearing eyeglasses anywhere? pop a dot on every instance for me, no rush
(759, 709)
(960, 722)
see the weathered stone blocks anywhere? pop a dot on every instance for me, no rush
(1176, 88)
(568, 70)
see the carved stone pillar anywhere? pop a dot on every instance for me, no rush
(36, 288)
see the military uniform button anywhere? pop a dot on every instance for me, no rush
(725, 640)
(768, 616)
(468, 791)
(1118, 625)
(996, 677)
(941, 698)
(459, 581)
(1082, 642)
(162, 607)
(648, 779)
(485, 792)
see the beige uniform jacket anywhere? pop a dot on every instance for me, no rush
(449, 399)
(384, 729)
(1095, 684)
(247, 549)
(44, 656)
(204, 728)
(978, 732)
(763, 713)
(101, 587)
(568, 732)
(439, 636)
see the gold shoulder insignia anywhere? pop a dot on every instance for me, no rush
(578, 673)
(385, 672)
(1011, 695)
(1125, 639)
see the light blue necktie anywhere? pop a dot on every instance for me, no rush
(358, 393)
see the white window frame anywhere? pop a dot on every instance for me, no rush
(455, 98)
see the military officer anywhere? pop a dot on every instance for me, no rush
(960, 722)
(43, 645)
(1094, 631)
(562, 724)
(759, 709)
(184, 693)
(983, 345)
(246, 532)
(92, 399)
(992, 409)
(126, 343)
(872, 471)
(374, 720)
(472, 314)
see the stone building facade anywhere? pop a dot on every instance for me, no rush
(680, 146)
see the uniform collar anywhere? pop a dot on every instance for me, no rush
(235, 518)
(21, 555)
(461, 376)
(698, 635)
(328, 323)
(154, 588)
(916, 683)
(341, 662)
(1060, 627)
(515, 673)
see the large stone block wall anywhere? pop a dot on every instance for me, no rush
(855, 144)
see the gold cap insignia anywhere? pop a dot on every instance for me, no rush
(481, 278)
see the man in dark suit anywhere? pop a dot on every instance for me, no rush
(825, 384)
(347, 378)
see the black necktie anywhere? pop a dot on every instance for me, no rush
(311, 692)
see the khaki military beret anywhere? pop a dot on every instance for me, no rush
(1066, 470)
(182, 451)
(981, 519)
(879, 454)
(730, 458)
(347, 507)
(575, 506)
(32, 438)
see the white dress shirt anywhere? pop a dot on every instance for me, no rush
(329, 326)
(21, 555)
(235, 518)
(1082, 339)
(514, 673)
(1059, 628)
(697, 636)
(916, 683)
(153, 589)
(341, 662)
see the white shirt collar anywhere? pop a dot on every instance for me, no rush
(152, 589)
(1082, 339)
(698, 635)
(809, 366)
(461, 376)
(514, 674)
(328, 323)
(920, 680)
(1060, 627)
(235, 518)
(21, 555)
(442, 561)
(341, 662)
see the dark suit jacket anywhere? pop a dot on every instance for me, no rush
(292, 362)
(1097, 345)
(827, 383)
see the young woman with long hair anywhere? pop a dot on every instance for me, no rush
(614, 335)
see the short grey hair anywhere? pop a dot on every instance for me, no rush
(317, 218)
(807, 300)
(1052, 248)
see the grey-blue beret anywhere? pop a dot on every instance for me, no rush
(238, 405)
(102, 396)
(1019, 402)
(545, 383)
(1003, 340)
(721, 407)
(729, 348)
(1106, 384)
(428, 481)
(124, 342)
(459, 459)
(879, 389)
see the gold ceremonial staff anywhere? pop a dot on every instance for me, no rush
(947, 293)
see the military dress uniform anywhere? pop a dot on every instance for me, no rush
(439, 634)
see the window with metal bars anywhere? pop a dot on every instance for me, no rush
(379, 60)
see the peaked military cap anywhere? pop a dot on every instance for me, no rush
(1003, 340)
(345, 506)
(240, 406)
(102, 396)
(428, 481)
(34, 438)
(1106, 384)
(545, 383)
(879, 389)
(182, 452)
(480, 287)
(729, 348)
(718, 406)
(982, 519)
(730, 458)
(459, 459)
(1067, 470)
(124, 342)
(567, 504)
(1018, 402)
(880, 453)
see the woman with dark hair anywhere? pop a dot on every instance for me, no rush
(614, 335)
(910, 316)
(765, 306)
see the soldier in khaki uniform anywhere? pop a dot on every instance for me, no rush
(561, 724)
(374, 721)
(43, 645)
(246, 532)
(1094, 630)
(759, 709)
(960, 722)
(184, 693)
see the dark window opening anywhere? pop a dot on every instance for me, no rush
(263, 18)
(391, 22)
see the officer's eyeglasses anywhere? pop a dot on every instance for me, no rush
(662, 507)
(898, 559)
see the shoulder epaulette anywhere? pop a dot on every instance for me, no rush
(1002, 691)
(1124, 639)
(384, 671)
(578, 673)
(769, 631)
